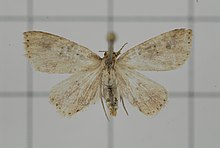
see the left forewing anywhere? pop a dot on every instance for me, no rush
(75, 93)
(54, 54)
(164, 52)
(141, 92)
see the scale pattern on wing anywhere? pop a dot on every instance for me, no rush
(142, 92)
(164, 52)
(76, 92)
(53, 54)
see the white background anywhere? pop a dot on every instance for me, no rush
(191, 116)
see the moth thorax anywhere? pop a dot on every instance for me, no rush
(112, 106)
(112, 62)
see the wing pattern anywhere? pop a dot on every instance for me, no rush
(164, 52)
(53, 54)
(141, 92)
(76, 92)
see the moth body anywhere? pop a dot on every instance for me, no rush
(109, 84)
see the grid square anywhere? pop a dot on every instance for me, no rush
(85, 129)
(12, 60)
(207, 59)
(136, 33)
(169, 128)
(12, 7)
(90, 35)
(13, 131)
(207, 131)
(151, 8)
(207, 8)
(70, 8)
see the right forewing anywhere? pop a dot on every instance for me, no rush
(75, 93)
(53, 54)
(141, 92)
(167, 51)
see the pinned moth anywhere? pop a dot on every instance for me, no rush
(111, 78)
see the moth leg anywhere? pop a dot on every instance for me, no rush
(104, 109)
(103, 106)
(123, 105)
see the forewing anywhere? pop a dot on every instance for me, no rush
(164, 52)
(75, 93)
(53, 54)
(141, 92)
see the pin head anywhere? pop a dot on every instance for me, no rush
(111, 37)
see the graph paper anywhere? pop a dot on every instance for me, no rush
(190, 118)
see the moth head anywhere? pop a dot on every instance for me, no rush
(106, 55)
(115, 54)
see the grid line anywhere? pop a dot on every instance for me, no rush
(191, 83)
(29, 82)
(197, 95)
(196, 19)
(110, 28)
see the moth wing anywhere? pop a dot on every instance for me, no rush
(140, 91)
(76, 92)
(53, 54)
(164, 52)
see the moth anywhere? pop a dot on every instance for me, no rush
(114, 77)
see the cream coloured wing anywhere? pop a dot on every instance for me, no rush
(53, 54)
(141, 92)
(164, 52)
(76, 92)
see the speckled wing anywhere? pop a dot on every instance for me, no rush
(140, 91)
(53, 54)
(164, 52)
(76, 92)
